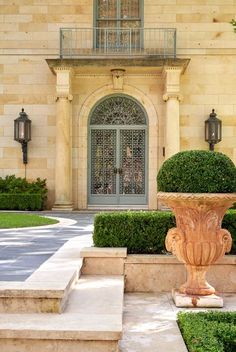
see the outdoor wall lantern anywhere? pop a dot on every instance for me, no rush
(22, 132)
(213, 130)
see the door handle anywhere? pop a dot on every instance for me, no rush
(118, 170)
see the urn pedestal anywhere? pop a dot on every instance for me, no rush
(198, 241)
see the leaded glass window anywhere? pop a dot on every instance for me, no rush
(118, 110)
(118, 13)
(118, 24)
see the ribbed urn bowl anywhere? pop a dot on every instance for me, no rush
(198, 239)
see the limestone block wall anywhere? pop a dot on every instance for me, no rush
(29, 34)
(204, 35)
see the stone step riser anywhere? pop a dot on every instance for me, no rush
(33, 345)
(48, 288)
(91, 322)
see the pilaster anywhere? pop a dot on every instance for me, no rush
(63, 164)
(172, 97)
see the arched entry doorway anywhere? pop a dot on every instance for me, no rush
(117, 152)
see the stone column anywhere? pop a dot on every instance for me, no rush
(172, 97)
(63, 165)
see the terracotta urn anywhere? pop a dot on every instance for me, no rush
(198, 239)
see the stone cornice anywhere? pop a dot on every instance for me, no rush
(104, 63)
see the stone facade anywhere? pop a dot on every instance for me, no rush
(177, 96)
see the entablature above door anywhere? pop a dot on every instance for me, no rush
(144, 65)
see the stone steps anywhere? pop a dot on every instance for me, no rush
(48, 288)
(91, 321)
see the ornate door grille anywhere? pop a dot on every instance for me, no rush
(132, 161)
(103, 161)
(117, 152)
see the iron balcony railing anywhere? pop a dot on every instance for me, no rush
(77, 42)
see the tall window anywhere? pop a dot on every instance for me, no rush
(118, 24)
(118, 14)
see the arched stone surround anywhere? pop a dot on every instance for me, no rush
(152, 146)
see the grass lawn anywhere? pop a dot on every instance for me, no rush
(8, 220)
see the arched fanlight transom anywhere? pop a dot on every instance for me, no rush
(118, 110)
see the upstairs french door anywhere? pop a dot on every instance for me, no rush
(118, 163)
(118, 24)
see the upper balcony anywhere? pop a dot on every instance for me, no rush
(117, 42)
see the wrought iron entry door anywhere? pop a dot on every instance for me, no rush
(118, 165)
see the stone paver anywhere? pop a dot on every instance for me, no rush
(22, 251)
(149, 322)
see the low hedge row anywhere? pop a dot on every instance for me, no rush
(17, 193)
(21, 201)
(143, 231)
(208, 331)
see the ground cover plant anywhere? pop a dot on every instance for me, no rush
(210, 331)
(10, 220)
(144, 231)
(17, 193)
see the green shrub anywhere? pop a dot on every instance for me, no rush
(197, 171)
(143, 231)
(140, 232)
(208, 331)
(19, 188)
(21, 201)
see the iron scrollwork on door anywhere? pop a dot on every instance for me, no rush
(132, 162)
(103, 178)
(118, 111)
(118, 151)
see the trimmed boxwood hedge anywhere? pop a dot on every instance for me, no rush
(21, 201)
(140, 232)
(143, 231)
(208, 331)
(197, 171)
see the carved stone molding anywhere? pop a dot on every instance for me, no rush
(203, 197)
(118, 78)
(63, 68)
(176, 96)
(64, 96)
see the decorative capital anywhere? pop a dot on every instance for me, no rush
(176, 96)
(69, 97)
(64, 82)
(118, 78)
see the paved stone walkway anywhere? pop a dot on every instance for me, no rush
(22, 251)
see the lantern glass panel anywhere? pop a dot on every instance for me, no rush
(206, 131)
(21, 129)
(219, 131)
